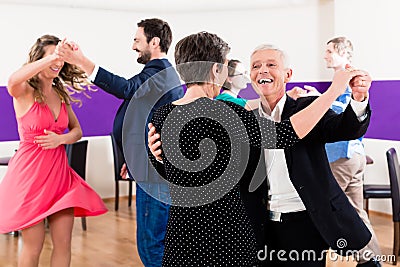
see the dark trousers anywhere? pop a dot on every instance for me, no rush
(293, 242)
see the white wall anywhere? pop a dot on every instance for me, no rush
(301, 27)
(106, 36)
(373, 26)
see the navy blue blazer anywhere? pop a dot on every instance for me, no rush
(156, 85)
(309, 170)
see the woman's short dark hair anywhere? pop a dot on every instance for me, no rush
(157, 28)
(196, 54)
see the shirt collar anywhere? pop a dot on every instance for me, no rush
(276, 113)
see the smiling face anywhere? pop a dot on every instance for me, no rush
(269, 74)
(55, 68)
(141, 46)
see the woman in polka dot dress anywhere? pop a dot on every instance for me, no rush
(203, 158)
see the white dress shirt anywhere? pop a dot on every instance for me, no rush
(282, 196)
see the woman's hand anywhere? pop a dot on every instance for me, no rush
(49, 140)
(154, 143)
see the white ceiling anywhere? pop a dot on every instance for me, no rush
(162, 5)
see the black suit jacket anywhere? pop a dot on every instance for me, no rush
(309, 170)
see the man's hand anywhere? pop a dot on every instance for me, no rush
(308, 90)
(70, 52)
(124, 171)
(154, 142)
(360, 86)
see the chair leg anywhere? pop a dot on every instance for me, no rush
(366, 205)
(116, 194)
(396, 239)
(130, 194)
(84, 227)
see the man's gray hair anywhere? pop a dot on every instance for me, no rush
(284, 56)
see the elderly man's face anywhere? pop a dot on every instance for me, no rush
(268, 73)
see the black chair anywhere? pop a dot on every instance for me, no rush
(374, 190)
(394, 175)
(118, 162)
(76, 154)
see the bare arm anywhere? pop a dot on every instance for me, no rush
(52, 140)
(304, 120)
(17, 83)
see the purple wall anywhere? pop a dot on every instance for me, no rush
(384, 101)
(97, 113)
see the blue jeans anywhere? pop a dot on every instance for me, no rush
(152, 218)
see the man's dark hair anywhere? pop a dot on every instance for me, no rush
(195, 55)
(157, 28)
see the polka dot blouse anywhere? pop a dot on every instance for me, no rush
(204, 145)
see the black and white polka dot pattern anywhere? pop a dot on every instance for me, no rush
(218, 233)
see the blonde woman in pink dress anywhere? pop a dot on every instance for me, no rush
(39, 183)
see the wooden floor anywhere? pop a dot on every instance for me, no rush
(110, 241)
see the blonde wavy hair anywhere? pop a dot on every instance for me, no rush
(70, 80)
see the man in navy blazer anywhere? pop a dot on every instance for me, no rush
(156, 85)
(308, 213)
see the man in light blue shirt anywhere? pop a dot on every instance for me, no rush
(347, 158)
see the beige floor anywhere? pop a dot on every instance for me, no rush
(110, 241)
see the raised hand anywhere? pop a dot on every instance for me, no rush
(73, 54)
(69, 52)
(343, 78)
(360, 86)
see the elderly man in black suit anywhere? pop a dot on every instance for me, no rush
(308, 213)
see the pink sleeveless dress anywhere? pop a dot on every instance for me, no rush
(39, 182)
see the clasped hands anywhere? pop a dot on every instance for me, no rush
(359, 84)
(68, 51)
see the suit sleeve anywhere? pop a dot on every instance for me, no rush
(345, 126)
(278, 135)
(123, 88)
